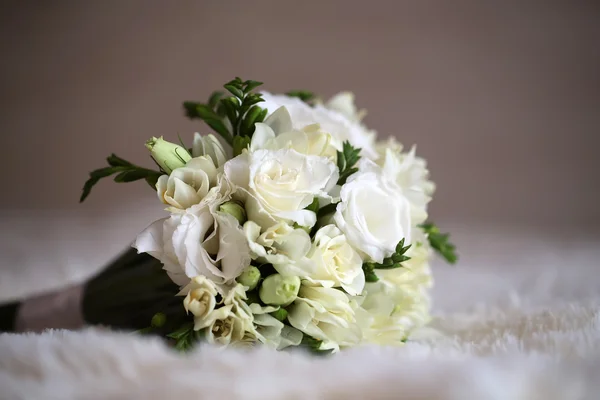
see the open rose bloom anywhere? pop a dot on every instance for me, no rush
(288, 223)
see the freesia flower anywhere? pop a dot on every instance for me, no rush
(187, 185)
(200, 299)
(209, 146)
(331, 120)
(399, 302)
(325, 314)
(277, 133)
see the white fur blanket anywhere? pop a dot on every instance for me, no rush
(519, 318)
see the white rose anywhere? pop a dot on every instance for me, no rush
(411, 174)
(211, 147)
(325, 314)
(199, 241)
(277, 133)
(200, 298)
(399, 302)
(331, 120)
(280, 245)
(335, 262)
(281, 184)
(187, 185)
(373, 213)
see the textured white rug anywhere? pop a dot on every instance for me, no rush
(519, 318)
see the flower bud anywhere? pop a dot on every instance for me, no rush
(168, 155)
(280, 314)
(235, 209)
(249, 277)
(158, 320)
(277, 290)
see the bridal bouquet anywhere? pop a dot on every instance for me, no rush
(289, 224)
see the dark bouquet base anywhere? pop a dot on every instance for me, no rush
(133, 293)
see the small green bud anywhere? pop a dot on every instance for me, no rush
(168, 155)
(304, 228)
(235, 209)
(280, 314)
(158, 320)
(277, 290)
(249, 277)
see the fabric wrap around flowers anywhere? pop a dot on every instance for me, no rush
(289, 225)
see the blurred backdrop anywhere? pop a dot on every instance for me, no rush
(502, 98)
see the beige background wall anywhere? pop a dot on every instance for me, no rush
(502, 97)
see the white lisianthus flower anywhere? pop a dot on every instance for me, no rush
(281, 184)
(325, 314)
(199, 241)
(331, 120)
(399, 302)
(280, 245)
(335, 262)
(200, 298)
(209, 146)
(373, 213)
(411, 174)
(187, 185)
(276, 133)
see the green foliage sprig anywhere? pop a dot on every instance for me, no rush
(440, 242)
(346, 161)
(126, 172)
(391, 262)
(313, 345)
(185, 337)
(232, 116)
(304, 95)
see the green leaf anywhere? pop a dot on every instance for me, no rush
(126, 172)
(131, 175)
(313, 345)
(240, 143)
(214, 98)
(234, 90)
(231, 106)
(369, 270)
(328, 209)
(186, 337)
(204, 112)
(262, 115)
(250, 85)
(115, 161)
(303, 95)
(391, 262)
(280, 314)
(346, 161)
(247, 125)
(181, 332)
(440, 242)
(314, 206)
(250, 100)
(152, 180)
